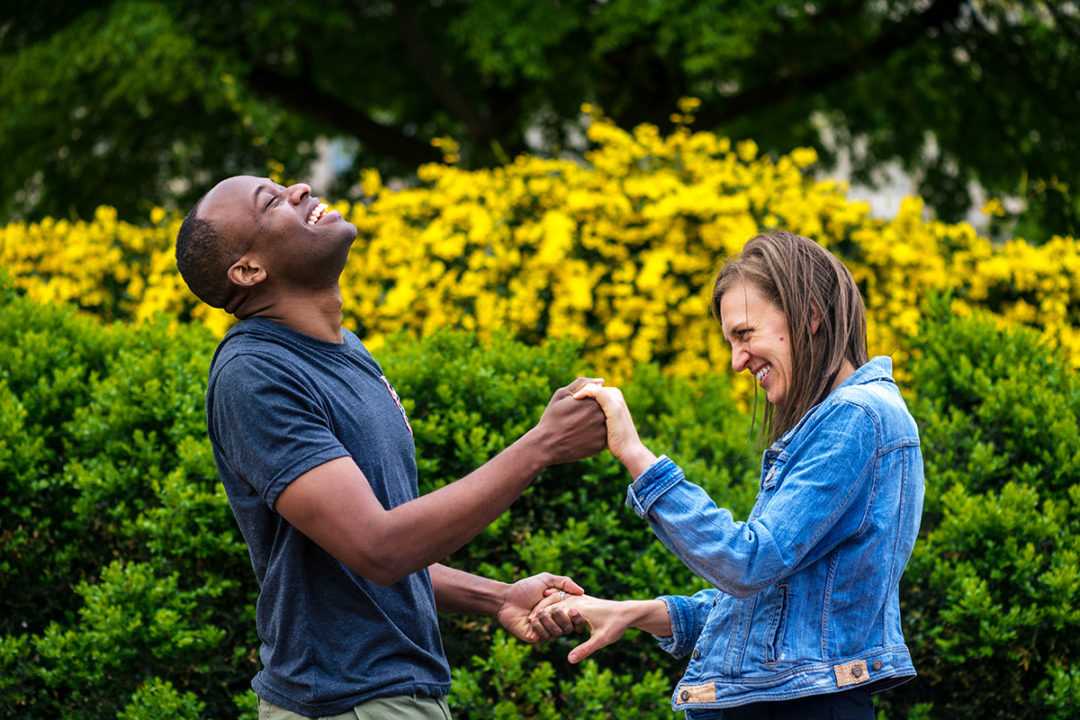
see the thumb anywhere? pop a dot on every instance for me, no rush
(610, 398)
(561, 582)
(580, 382)
(585, 649)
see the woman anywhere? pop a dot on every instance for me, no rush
(804, 619)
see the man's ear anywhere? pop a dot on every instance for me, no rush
(247, 272)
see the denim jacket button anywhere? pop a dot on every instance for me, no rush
(697, 653)
(684, 695)
(877, 664)
(856, 671)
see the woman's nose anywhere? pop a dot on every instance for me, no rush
(739, 358)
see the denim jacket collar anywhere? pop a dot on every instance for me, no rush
(878, 369)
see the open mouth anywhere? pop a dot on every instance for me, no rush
(318, 213)
(763, 373)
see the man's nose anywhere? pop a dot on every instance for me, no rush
(298, 192)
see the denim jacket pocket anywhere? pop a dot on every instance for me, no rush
(772, 462)
(778, 625)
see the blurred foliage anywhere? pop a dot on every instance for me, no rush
(119, 558)
(118, 102)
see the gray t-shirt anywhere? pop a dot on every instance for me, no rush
(280, 403)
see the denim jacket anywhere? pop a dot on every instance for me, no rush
(805, 597)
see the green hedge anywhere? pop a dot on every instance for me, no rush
(121, 569)
(128, 593)
(992, 594)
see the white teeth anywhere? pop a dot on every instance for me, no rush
(317, 213)
(760, 374)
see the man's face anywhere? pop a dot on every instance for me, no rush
(294, 233)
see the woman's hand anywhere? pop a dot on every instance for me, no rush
(607, 620)
(622, 436)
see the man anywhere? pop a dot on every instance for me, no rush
(318, 460)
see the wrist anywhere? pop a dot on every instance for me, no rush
(650, 615)
(492, 598)
(535, 451)
(637, 460)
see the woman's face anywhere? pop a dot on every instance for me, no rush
(760, 343)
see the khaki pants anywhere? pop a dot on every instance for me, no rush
(398, 707)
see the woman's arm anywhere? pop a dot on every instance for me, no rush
(819, 503)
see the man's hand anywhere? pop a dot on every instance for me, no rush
(571, 429)
(524, 595)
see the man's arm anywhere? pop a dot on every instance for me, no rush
(461, 592)
(334, 505)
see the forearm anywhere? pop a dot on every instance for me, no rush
(637, 459)
(430, 528)
(648, 615)
(335, 505)
(460, 592)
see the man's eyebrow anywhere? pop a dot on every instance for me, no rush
(255, 195)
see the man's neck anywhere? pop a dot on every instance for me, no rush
(314, 314)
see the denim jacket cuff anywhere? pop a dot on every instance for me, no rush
(681, 640)
(651, 484)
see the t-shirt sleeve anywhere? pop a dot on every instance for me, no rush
(267, 425)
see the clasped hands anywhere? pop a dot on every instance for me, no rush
(577, 430)
(546, 606)
(563, 608)
(561, 613)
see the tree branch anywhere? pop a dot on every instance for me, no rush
(306, 99)
(437, 81)
(902, 34)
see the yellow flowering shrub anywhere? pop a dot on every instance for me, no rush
(618, 251)
(115, 269)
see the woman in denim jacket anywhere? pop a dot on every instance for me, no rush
(804, 617)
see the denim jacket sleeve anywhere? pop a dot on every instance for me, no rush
(688, 616)
(819, 497)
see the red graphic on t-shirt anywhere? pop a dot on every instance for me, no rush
(397, 401)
